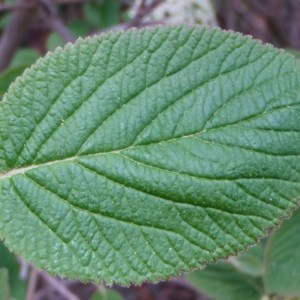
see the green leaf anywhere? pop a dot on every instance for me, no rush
(224, 282)
(77, 29)
(54, 40)
(137, 155)
(102, 14)
(251, 262)
(107, 294)
(24, 57)
(4, 286)
(10, 262)
(296, 53)
(8, 77)
(282, 274)
(4, 21)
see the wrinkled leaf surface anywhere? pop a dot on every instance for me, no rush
(134, 156)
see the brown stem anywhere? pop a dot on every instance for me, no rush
(10, 7)
(7, 7)
(14, 32)
(54, 22)
(142, 12)
(32, 284)
(58, 286)
(69, 1)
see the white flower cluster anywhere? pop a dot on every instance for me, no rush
(191, 12)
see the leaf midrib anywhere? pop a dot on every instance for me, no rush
(23, 170)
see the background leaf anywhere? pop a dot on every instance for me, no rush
(9, 262)
(250, 262)
(24, 57)
(283, 259)
(223, 282)
(107, 295)
(77, 29)
(240, 277)
(4, 286)
(8, 77)
(103, 13)
(135, 156)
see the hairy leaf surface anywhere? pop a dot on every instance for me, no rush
(134, 156)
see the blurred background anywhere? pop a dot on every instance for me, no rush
(31, 28)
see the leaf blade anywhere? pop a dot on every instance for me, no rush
(165, 123)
